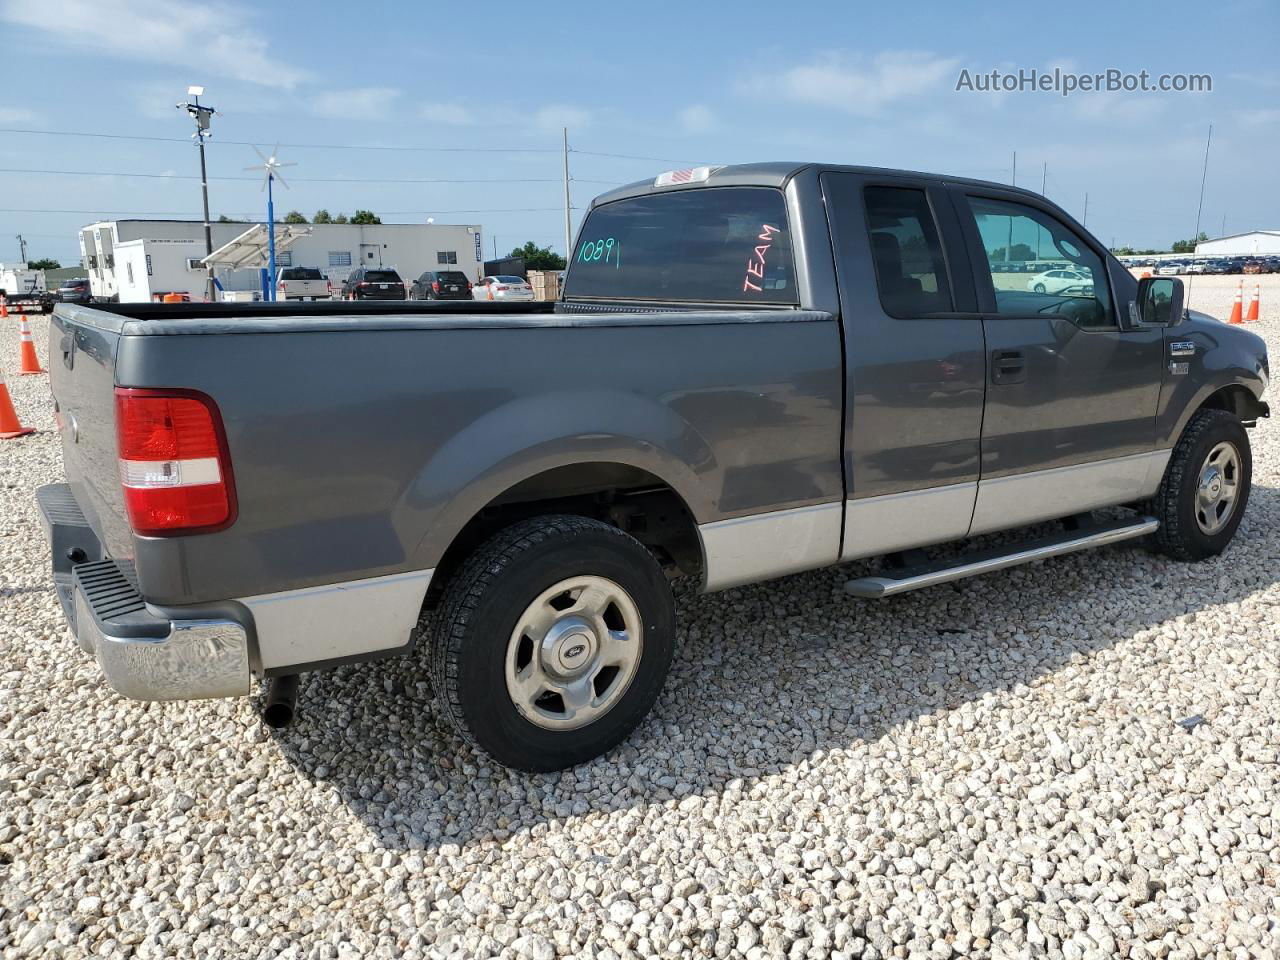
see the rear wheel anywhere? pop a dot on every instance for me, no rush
(1205, 489)
(553, 643)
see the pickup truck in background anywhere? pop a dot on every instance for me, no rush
(303, 283)
(755, 370)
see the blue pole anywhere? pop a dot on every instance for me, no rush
(271, 238)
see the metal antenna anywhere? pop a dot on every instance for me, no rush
(1195, 237)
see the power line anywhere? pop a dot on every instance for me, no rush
(178, 176)
(188, 213)
(296, 146)
(342, 146)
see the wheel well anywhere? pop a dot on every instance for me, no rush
(1237, 400)
(631, 499)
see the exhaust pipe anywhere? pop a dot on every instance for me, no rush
(282, 700)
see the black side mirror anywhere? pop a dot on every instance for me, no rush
(1159, 303)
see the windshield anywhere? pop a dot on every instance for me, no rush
(719, 244)
(301, 273)
(382, 276)
(509, 279)
(451, 276)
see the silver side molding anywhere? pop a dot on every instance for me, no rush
(1022, 499)
(875, 587)
(900, 521)
(337, 620)
(748, 549)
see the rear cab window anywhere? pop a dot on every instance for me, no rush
(710, 244)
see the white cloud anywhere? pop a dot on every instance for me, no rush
(557, 115)
(1261, 117)
(209, 39)
(16, 115)
(862, 85)
(358, 103)
(697, 119)
(452, 114)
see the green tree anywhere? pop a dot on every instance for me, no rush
(293, 216)
(365, 216)
(45, 264)
(223, 218)
(322, 216)
(341, 218)
(1189, 246)
(539, 258)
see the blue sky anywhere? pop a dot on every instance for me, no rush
(842, 82)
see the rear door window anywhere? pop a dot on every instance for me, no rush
(714, 244)
(911, 273)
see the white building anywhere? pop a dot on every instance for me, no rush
(1253, 243)
(141, 260)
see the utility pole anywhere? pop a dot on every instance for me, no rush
(201, 115)
(1014, 180)
(1085, 222)
(568, 223)
(1044, 177)
(22, 249)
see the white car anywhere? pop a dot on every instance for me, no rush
(502, 287)
(1055, 281)
(1169, 269)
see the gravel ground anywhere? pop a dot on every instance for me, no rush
(1000, 767)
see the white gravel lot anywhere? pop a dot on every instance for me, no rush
(990, 768)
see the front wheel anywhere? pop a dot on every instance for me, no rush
(1205, 489)
(553, 642)
(1039, 288)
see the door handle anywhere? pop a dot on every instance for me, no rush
(1008, 366)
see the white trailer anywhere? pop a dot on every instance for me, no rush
(23, 287)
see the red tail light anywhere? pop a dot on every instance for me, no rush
(435, 286)
(328, 285)
(174, 464)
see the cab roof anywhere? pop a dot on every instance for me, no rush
(777, 173)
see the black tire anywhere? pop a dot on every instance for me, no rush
(482, 606)
(1039, 288)
(1175, 503)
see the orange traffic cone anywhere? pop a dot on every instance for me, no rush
(9, 425)
(4, 309)
(1253, 304)
(27, 348)
(1235, 307)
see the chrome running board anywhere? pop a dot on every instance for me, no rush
(988, 561)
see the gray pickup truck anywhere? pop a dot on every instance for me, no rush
(755, 370)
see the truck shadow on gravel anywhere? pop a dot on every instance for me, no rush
(764, 676)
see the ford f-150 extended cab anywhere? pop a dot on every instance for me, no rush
(755, 370)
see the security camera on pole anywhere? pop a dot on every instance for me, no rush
(270, 167)
(202, 115)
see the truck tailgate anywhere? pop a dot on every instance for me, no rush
(82, 352)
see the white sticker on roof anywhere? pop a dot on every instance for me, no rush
(691, 175)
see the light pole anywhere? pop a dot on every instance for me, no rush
(202, 115)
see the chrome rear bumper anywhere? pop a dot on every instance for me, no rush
(143, 654)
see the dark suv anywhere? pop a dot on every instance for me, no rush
(75, 290)
(373, 283)
(441, 285)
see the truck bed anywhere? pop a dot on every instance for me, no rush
(364, 435)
